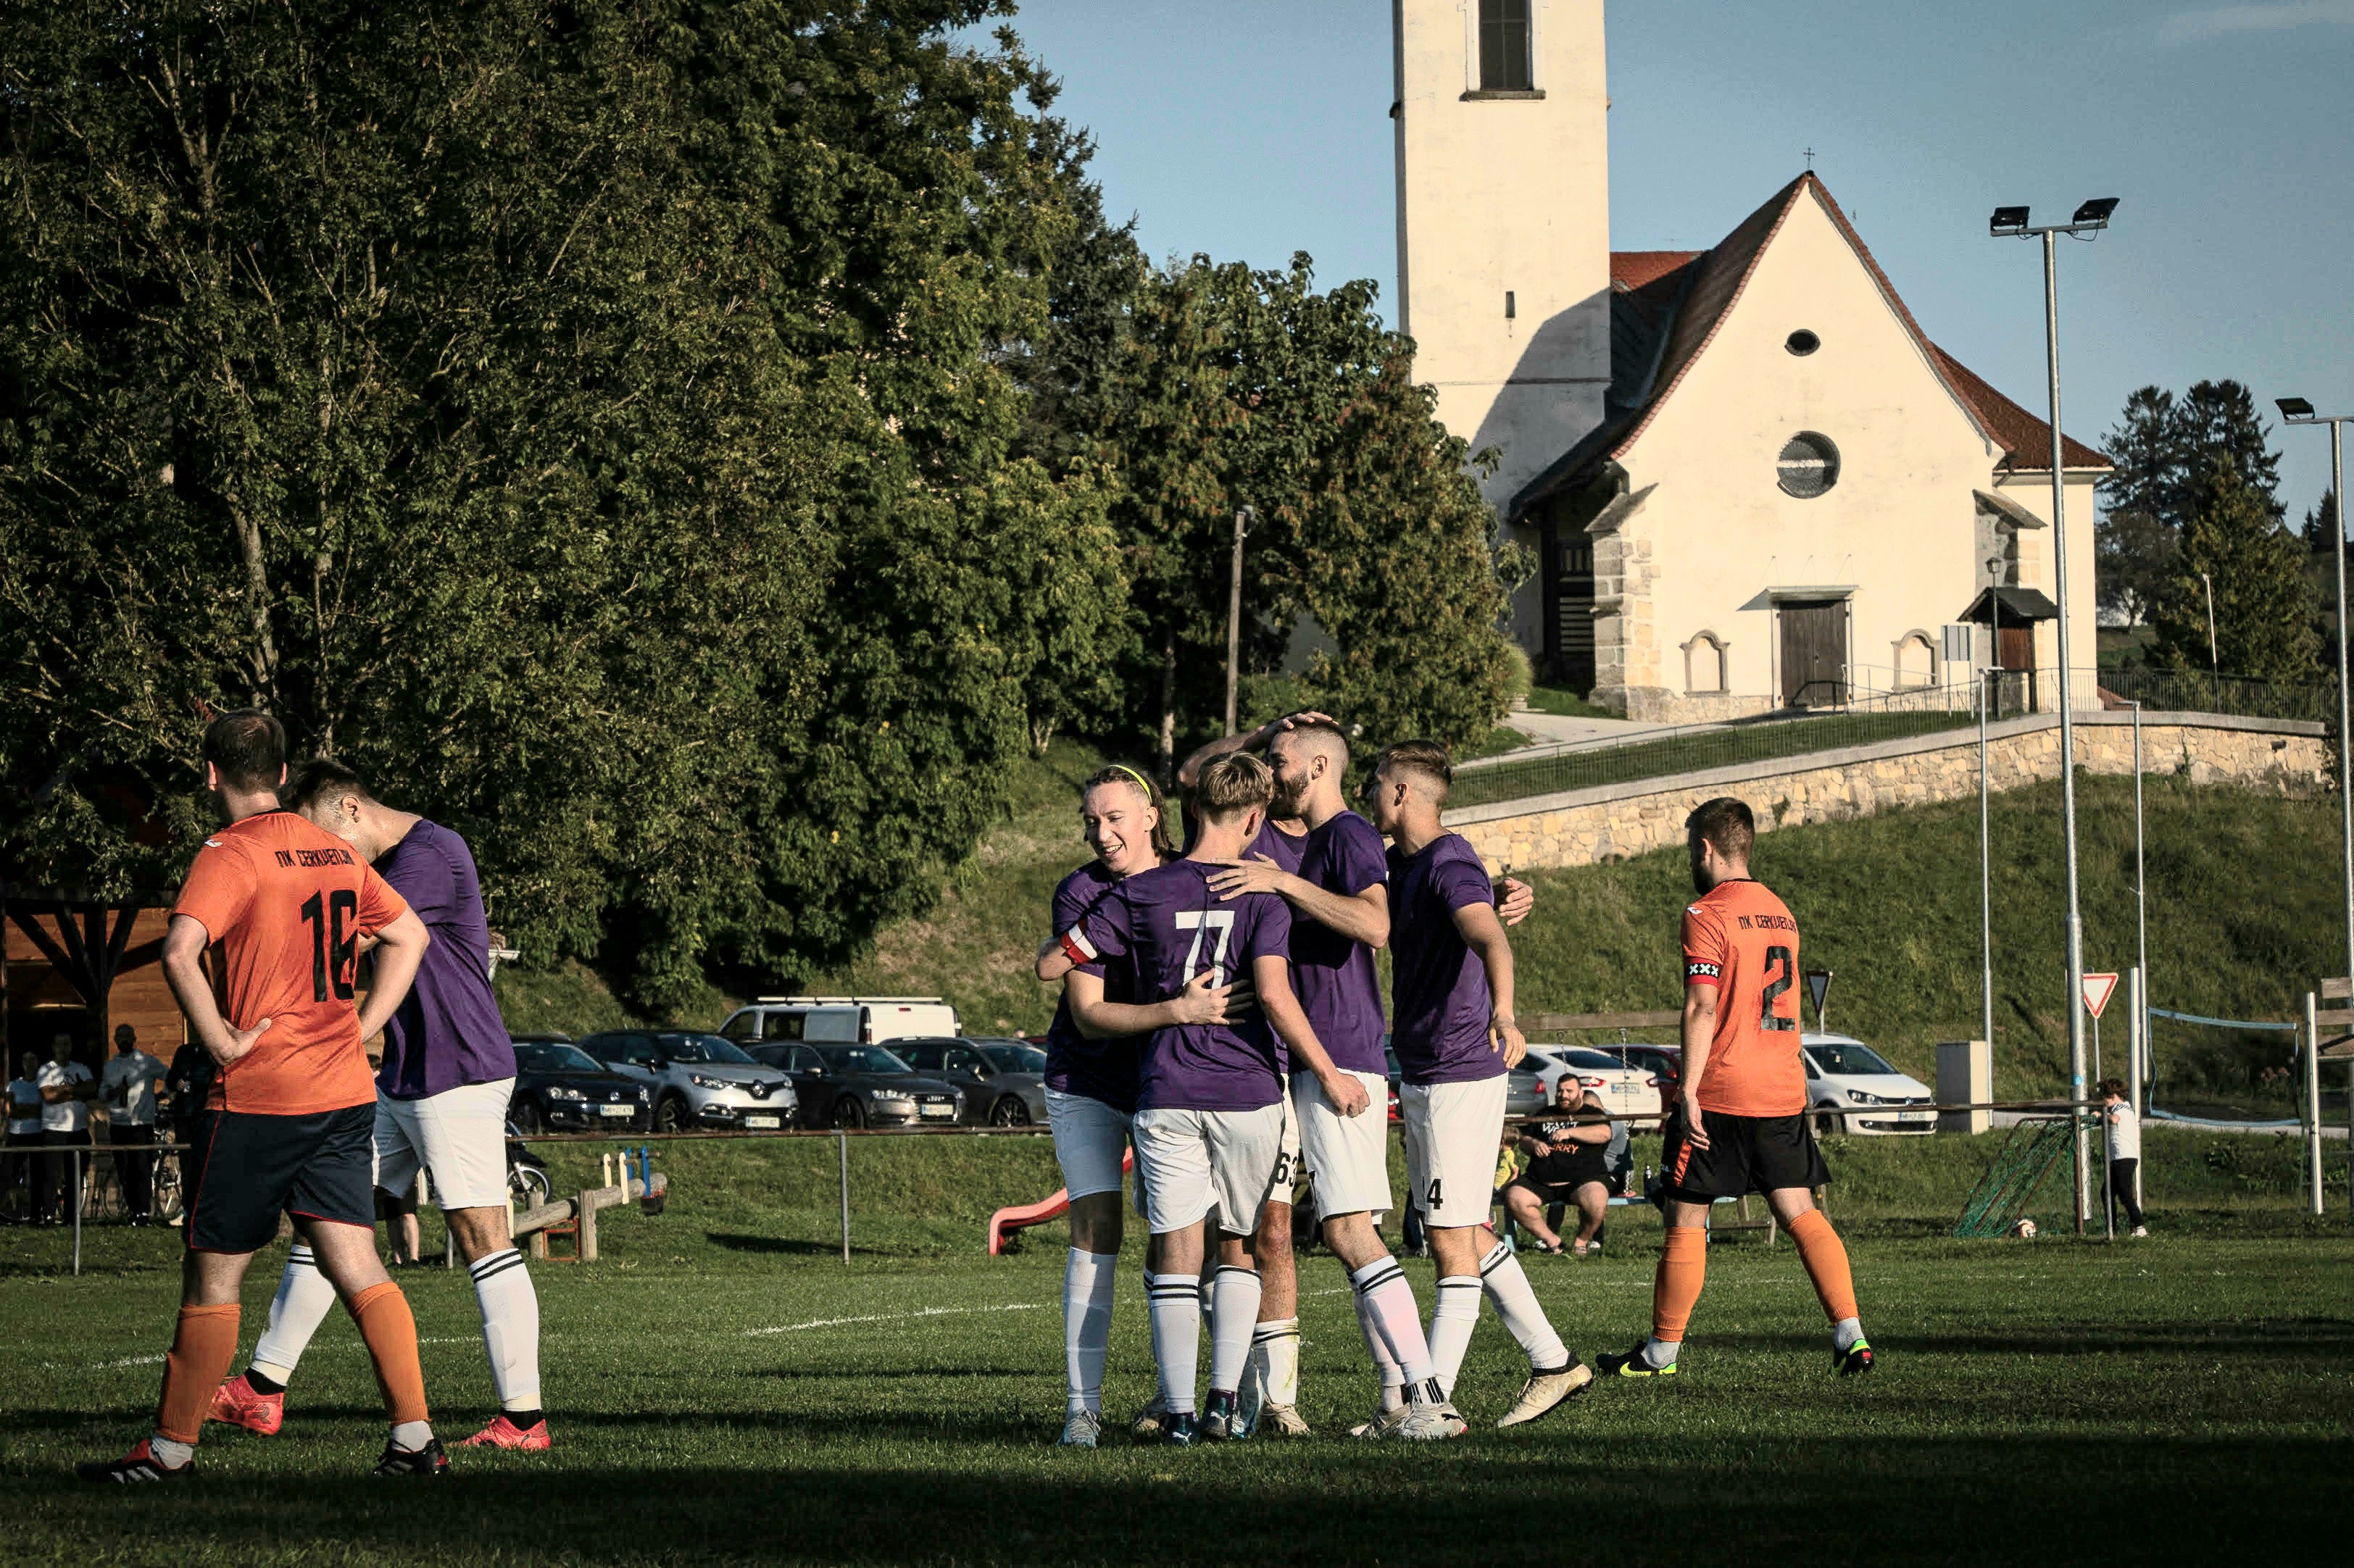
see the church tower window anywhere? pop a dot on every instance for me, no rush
(1802, 342)
(1505, 57)
(1809, 465)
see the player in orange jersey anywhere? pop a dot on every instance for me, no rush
(282, 906)
(1740, 1125)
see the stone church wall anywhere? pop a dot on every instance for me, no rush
(1620, 820)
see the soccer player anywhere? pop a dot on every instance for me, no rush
(1091, 1079)
(282, 908)
(1340, 901)
(442, 1103)
(1739, 1124)
(1453, 1030)
(1209, 1119)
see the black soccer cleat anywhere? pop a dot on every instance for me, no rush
(1855, 1359)
(430, 1460)
(138, 1465)
(1181, 1430)
(1221, 1420)
(1632, 1364)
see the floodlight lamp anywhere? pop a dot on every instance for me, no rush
(2295, 410)
(2096, 211)
(2007, 220)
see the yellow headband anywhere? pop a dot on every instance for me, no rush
(1140, 778)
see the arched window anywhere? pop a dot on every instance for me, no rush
(1917, 661)
(1707, 668)
(1507, 62)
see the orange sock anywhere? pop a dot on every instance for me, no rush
(203, 1347)
(1820, 1250)
(382, 1313)
(1675, 1289)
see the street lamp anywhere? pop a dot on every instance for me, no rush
(2011, 222)
(2298, 411)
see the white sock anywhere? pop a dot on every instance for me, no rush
(510, 1327)
(410, 1435)
(303, 1300)
(1507, 1286)
(1275, 1356)
(1845, 1333)
(168, 1453)
(1234, 1319)
(1174, 1301)
(1087, 1324)
(1452, 1317)
(1385, 1367)
(1386, 1306)
(1658, 1352)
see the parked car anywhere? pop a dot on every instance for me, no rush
(1525, 1091)
(861, 1085)
(841, 1019)
(1623, 1088)
(1844, 1073)
(697, 1080)
(1004, 1081)
(1665, 1063)
(561, 1089)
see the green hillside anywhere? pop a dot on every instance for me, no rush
(2243, 917)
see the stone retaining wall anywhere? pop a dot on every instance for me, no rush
(1614, 821)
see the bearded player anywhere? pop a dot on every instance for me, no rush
(1740, 1125)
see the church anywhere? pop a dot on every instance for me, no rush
(1749, 480)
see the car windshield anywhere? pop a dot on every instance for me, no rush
(702, 1048)
(556, 1059)
(861, 1059)
(1847, 1058)
(1015, 1058)
(1590, 1060)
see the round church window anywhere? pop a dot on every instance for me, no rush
(1809, 465)
(1802, 342)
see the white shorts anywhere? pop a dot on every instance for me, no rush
(1452, 1134)
(1090, 1141)
(1195, 1162)
(1349, 1155)
(458, 1136)
(1290, 1170)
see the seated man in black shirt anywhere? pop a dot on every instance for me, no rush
(1567, 1163)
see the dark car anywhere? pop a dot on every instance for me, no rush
(561, 1089)
(1004, 1081)
(1524, 1091)
(861, 1086)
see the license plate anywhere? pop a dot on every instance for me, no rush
(617, 1110)
(762, 1123)
(941, 1111)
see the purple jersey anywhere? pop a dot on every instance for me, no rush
(1171, 925)
(1333, 973)
(447, 1033)
(1441, 987)
(1284, 849)
(1100, 1069)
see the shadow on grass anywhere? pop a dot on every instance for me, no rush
(736, 1241)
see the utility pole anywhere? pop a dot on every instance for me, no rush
(1985, 874)
(1244, 517)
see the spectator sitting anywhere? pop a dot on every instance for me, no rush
(24, 1130)
(1568, 1157)
(67, 1088)
(128, 1088)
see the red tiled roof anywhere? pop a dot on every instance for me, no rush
(1632, 270)
(2025, 438)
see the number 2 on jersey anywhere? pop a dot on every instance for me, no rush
(1775, 988)
(1222, 921)
(333, 955)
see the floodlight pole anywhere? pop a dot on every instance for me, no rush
(1986, 876)
(1244, 517)
(2140, 999)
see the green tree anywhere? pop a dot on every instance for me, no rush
(2263, 594)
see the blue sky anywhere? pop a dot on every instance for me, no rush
(1249, 129)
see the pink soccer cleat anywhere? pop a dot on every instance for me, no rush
(236, 1403)
(505, 1434)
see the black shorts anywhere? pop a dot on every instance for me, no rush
(1746, 1154)
(256, 1167)
(1546, 1193)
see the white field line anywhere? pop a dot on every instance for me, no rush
(898, 1317)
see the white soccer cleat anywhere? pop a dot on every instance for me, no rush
(1428, 1423)
(1147, 1420)
(1285, 1421)
(1081, 1430)
(1545, 1392)
(1385, 1422)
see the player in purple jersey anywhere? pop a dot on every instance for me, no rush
(1339, 900)
(1091, 1081)
(441, 1104)
(1209, 1117)
(1453, 1030)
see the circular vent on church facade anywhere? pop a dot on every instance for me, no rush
(1809, 466)
(1802, 342)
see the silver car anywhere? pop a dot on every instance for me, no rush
(698, 1080)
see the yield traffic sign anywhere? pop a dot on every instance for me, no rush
(2097, 988)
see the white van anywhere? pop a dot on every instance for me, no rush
(841, 1019)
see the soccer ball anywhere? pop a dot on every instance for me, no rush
(2024, 1230)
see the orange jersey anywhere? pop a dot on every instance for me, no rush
(284, 906)
(1740, 939)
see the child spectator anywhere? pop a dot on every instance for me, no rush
(2123, 1127)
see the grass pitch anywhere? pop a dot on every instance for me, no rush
(723, 1388)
